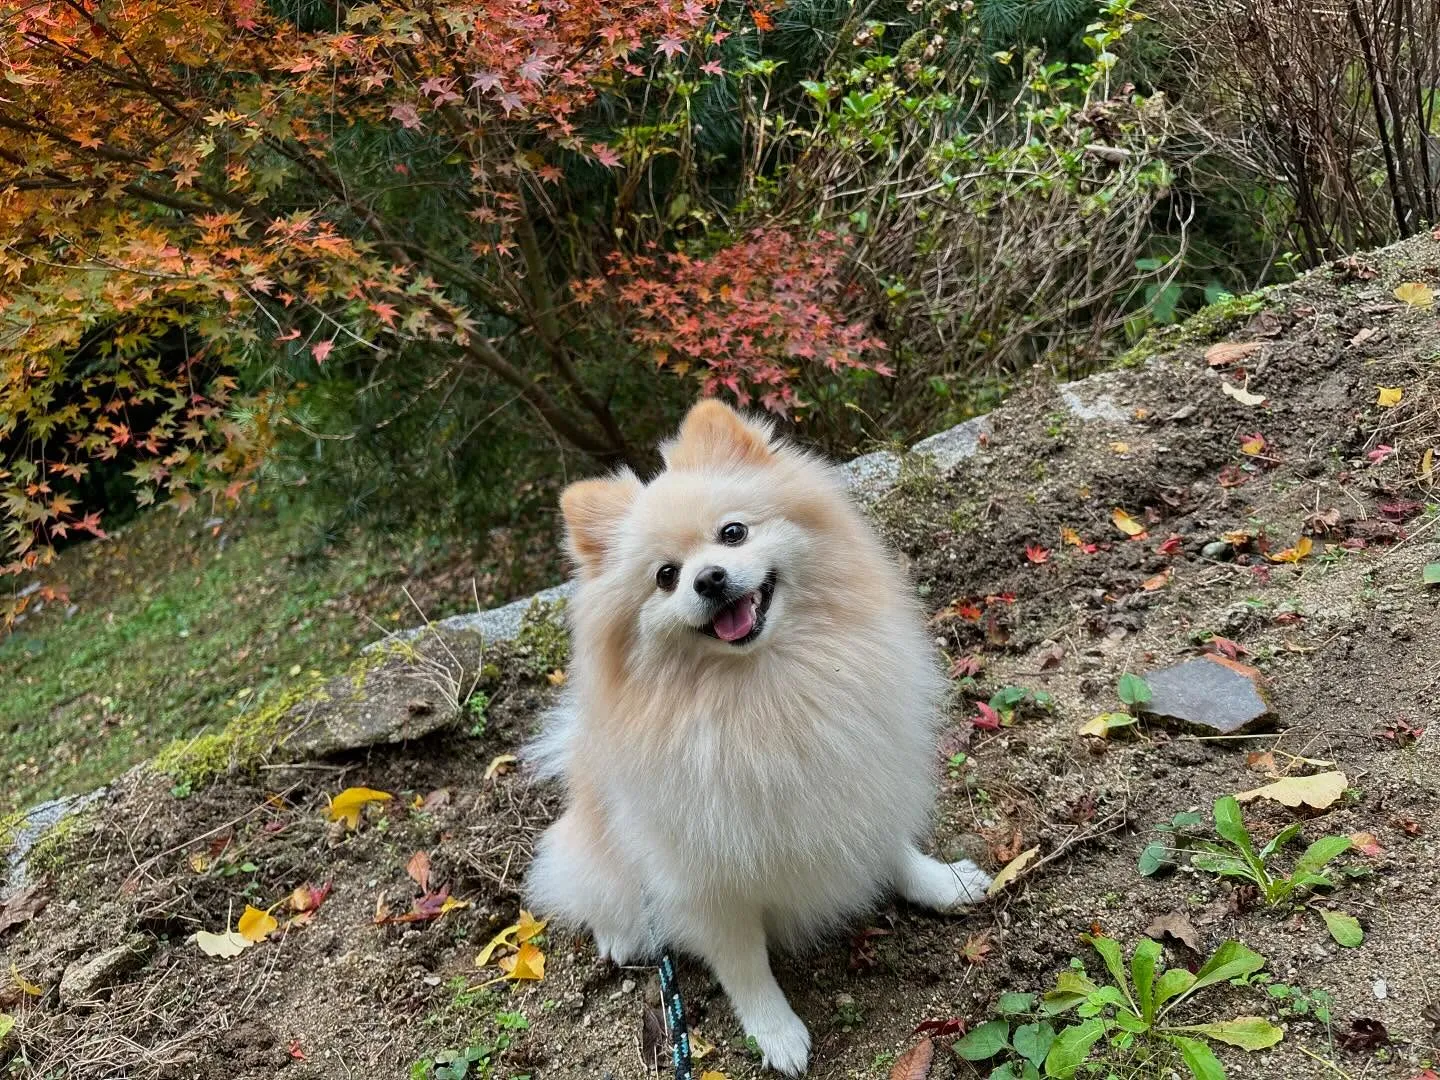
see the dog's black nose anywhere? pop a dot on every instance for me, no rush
(710, 582)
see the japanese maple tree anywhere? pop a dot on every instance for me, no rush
(199, 199)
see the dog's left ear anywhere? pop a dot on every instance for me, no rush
(593, 510)
(713, 434)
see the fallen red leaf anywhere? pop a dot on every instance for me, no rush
(294, 1050)
(966, 667)
(1225, 647)
(941, 1029)
(988, 720)
(1366, 843)
(1037, 554)
(1171, 546)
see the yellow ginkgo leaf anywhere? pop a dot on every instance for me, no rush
(1125, 523)
(526, 965)
(499, 765)
(255, 925)
(712, 1075)
(1415, 293)
(25, 985)
(1012, 870)
(1390, 396)
(227, 946)
(528, 926)
(505, 939)
(347, 805)
(1427, 464)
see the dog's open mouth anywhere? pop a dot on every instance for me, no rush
(741, 620)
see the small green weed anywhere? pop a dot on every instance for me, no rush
(1013, 702)
(1123, 1024)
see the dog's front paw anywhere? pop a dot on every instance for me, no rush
(621, 949)
(966, 884)
(784, 1042)
(943, 886)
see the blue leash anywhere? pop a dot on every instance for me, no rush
(675, 1015)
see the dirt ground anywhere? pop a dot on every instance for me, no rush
(1346, 638)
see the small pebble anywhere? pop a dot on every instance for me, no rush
(628, 986)
(1381, 990)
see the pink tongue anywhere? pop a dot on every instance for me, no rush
(735, 621)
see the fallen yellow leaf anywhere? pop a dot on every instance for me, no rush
(499, 765)
(1320, 790)
(529, 926)
(1415, 293)
(713, 1075)
(25, 985)
(526, 965)
(1102, 725)
(701, 1047)
(556, 677)
(1125, 523)
(1069, 536)
(255, 925)
(1120, 447)
(1390, 396)
(1252, 445)
(1427, 464)
(1302, 548)
(347, 805)
(227, 946)
(1012, 870)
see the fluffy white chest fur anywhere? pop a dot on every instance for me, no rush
(747, 743)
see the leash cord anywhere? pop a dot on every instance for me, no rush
(675, 1015)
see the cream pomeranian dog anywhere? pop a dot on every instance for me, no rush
(747, 741)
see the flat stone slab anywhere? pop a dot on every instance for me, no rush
(91, 977)
(391, 703)
(497, 624)
(1212, 692)
(948, 448)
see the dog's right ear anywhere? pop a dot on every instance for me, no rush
(593, 510)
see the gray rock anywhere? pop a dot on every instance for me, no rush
(394, 704)
(87, 979)
(1219, 696)
(949, 448)
(497, 624)
(871, 475)
(1087, 400)
(32, 826)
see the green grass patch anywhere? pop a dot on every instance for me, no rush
(177, 629)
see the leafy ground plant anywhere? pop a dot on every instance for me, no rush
(1125, 1023)
(1238, 857)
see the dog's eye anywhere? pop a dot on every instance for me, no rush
(667, 576)
(733, 533)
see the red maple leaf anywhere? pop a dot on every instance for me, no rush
(988, 720)
(1037, 554)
